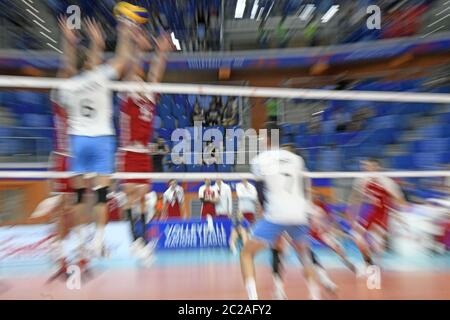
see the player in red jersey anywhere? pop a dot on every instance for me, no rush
(383, 195)
(137, 111)
(61, 187)
(60, 157)
(173, 201)
(59, 207)
(323, 229)
(116, 201)
(208, 196)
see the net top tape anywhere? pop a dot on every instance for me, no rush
(221, 90)
(216, 175)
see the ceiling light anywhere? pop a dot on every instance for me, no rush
(254, 9)
(175, 41)
(330, 13)
(309, 9)
(240, 8)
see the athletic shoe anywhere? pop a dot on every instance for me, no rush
(326, 281)
(136, 246)
(314, 291)
(361, 271)
(61, 271)
(144, 252)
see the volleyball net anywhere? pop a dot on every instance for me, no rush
(333, 130)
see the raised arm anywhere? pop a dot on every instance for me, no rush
(97, 42)
(69, 46)
(158, 63)
(126, 32)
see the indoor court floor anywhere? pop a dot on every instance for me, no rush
(215, 274)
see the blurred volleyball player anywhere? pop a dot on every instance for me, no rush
(247, 199)
(60, 207)
(137, 111)
(224, 205)
(173, 201)
(281, 192)
(280, 247)
(151, 200)
(91, 130)
(60, 157)
(320, 224)
(208, 196)
(117, 200)
(382, 194)
(322, 229)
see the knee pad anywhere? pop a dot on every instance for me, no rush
(80, 194)
(102, 195)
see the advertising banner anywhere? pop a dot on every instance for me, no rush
(190, 234)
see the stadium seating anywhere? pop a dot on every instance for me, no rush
(390, 122)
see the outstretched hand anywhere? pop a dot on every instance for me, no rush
(164, 43)
(95, 32)
(71, 35)
(142, 40)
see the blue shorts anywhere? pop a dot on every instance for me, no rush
(92, 154)
(269, 232)
(240, 222)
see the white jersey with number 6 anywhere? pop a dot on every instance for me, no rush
(90, 103)
(284, 192)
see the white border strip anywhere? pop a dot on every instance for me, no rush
(221, 90)
(182, 176)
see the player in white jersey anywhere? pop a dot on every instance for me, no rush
(67, 217)
(224, 204)
(91, 130)
(151, 199)
(282, 193)
(247, 199)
